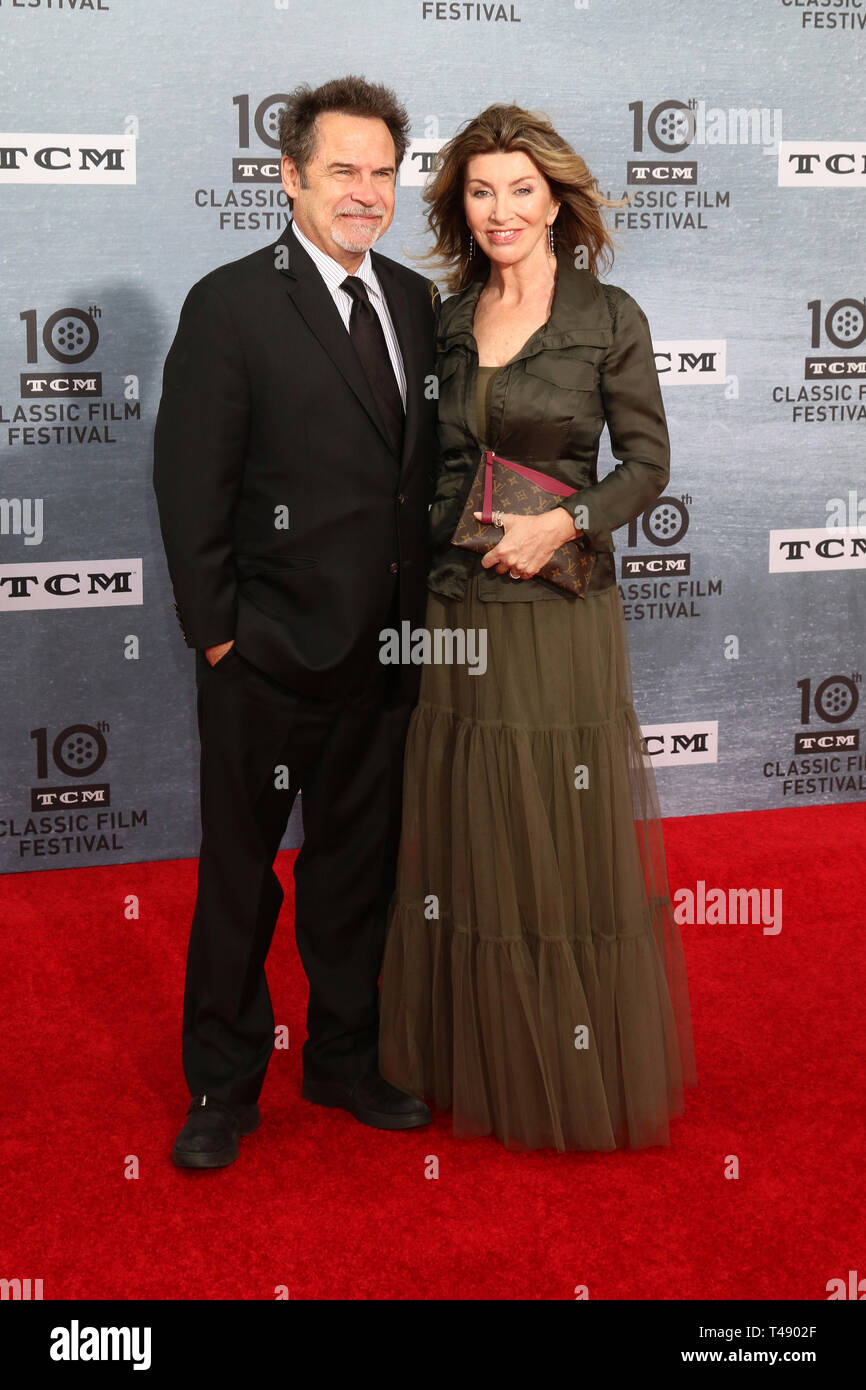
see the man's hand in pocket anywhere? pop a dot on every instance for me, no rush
(215, 654)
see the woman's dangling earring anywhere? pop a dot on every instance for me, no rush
(550, 239)
(471, 247)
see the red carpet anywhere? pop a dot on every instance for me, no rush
(333, 1210)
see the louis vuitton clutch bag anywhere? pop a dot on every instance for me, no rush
(500, 485)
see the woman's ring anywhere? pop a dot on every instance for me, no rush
(498, 519)
(513, 575)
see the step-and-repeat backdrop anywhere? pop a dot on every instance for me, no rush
(139, 149)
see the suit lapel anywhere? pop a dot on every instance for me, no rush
(311, 297)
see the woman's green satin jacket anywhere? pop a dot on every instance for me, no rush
(592, 363)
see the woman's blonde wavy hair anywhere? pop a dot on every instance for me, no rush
(578, 223)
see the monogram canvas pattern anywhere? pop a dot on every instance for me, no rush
(569, 567)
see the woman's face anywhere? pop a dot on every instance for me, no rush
(508, 205)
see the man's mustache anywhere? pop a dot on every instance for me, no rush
(357, 210)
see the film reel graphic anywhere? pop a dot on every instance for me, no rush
(664, 523)
(79, 750)
(70, 335)
(670, 126)
(844, 323)
(265, 121)
(836, 699)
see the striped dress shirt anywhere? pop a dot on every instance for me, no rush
(334, 274)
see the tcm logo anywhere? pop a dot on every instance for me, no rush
(700, 362)
(822, 163)
(79, 750)
(70, 584)
(684, 173)
(663, 524)
(670, 128)
(70, 336)
(817, 548)
(835, 701)
(417, 166)
(264, 121)
(844, 327)
(67, 158)
(681, 745)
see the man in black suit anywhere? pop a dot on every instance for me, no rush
(293, 454)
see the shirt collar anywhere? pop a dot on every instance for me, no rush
(331, 271)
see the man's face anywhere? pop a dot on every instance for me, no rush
(349, 199)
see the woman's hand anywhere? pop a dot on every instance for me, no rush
(529, 542)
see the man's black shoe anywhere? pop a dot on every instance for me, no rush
(371, 1099)
(209, 1139)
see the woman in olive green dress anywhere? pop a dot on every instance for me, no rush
(534, 980)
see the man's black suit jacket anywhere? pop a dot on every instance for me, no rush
(266, 418)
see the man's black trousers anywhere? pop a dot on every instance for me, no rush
(260, 745)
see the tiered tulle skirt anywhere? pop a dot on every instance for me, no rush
(534, 979)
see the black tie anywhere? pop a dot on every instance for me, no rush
(366, 334)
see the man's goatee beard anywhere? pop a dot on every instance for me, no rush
(338, 233)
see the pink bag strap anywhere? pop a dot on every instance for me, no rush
(532, 475)
(487, 506)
